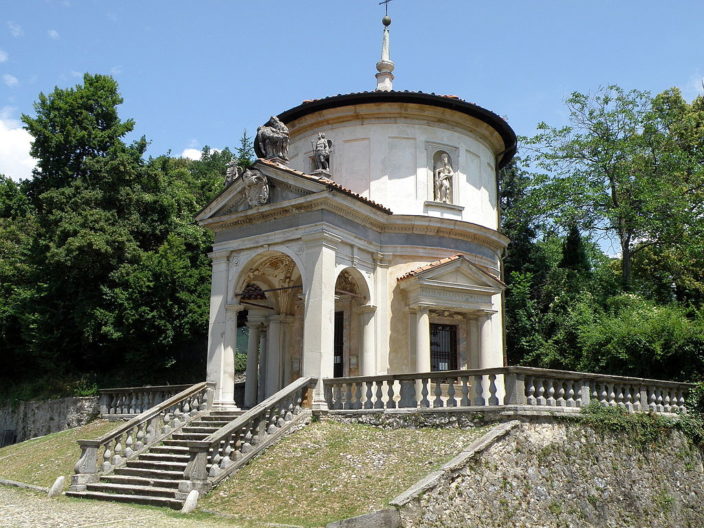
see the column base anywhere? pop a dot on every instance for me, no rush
(224, 406)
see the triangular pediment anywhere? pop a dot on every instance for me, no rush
(263, 185)
(455, 272)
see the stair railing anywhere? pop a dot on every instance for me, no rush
(113, 449)
(216, 456)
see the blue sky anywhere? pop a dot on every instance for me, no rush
(198, 73)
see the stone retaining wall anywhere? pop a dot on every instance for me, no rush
(38, 418)
(561, 474)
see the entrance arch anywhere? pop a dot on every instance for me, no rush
(353, 351)
(269, 288)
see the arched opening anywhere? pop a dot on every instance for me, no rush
(351, 319)
(269, 289)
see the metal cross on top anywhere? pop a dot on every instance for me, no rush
(385, 3)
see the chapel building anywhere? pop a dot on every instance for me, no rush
(363, 241)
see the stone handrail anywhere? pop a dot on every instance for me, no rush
(123, 402)
(214, 457)
(113, 449)
(516, 386)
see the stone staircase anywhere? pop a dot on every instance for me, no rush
(153, 476)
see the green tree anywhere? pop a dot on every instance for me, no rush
(73, 126)
(619, 167)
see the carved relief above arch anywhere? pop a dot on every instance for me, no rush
(276, 276)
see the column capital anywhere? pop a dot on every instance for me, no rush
(280, 318)
(366, 308)
(382, 260)
(219, 257)
(321, 237)
(234, 308)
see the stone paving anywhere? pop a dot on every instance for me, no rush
(28, 509)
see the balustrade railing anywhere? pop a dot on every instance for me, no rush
(213, 458)
(113, 449)
(123, 402)
(506, 386)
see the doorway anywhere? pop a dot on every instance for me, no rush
(339, 346)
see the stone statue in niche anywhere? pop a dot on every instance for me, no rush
(232, 172)
(256, 187)
(272, 140)
(321, 153)
(442, 178)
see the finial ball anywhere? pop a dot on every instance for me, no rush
(386, 20)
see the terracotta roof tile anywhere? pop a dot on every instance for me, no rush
(331, 184)
(440, 262)
(431, 265)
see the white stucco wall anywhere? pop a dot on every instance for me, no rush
(388, 157)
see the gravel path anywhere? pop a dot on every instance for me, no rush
(28, 509)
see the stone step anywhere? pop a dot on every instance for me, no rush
(164, 457)
(196, 429)
(156, 465)
(128, 489)
(190, 436)
(149, 473)
(139, 499)
(129, 480)
(170, 450)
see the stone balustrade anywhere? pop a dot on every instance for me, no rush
(215, 457)
(127, 402)
(506, 386)
(102, 455)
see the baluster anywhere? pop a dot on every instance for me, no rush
(379, 402)
(682, 403)
(391, 402)
(335, 388)
(247, 438)
(424, 392)
(140, 436)
(604, 395)
(666, 400)
(540, 400)
(152, 427)
(560, 400)
(660, 407)
(437, 402)
(129, 441)
(652, 400)
(530, 391)
(493, 398)
(612, 395)
(551, 392)
(478, 391)
(619, 396)
(451, 401)
(107, 455)
(368, 395)
(464, 402)
(117, 451)
(289, 408)
(595, 392)
(631, 398)
(579, 386)
(358, 396)
(570, 394)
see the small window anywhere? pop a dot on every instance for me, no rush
(443, 347)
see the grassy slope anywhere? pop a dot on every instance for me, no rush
(40, 460)
(330, 471)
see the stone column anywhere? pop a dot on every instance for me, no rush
(319, 314)
(252, 381)
(381, 317)
(366, 323)
(273, 356)
(261, 386)
(422, 340)
(224, 397)
(475, 343)
(286, 323)
(218, 321)
(486, 342)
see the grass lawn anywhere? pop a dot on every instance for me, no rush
(40, 460)
(329, 471)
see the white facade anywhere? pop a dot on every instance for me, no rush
(372, 268)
